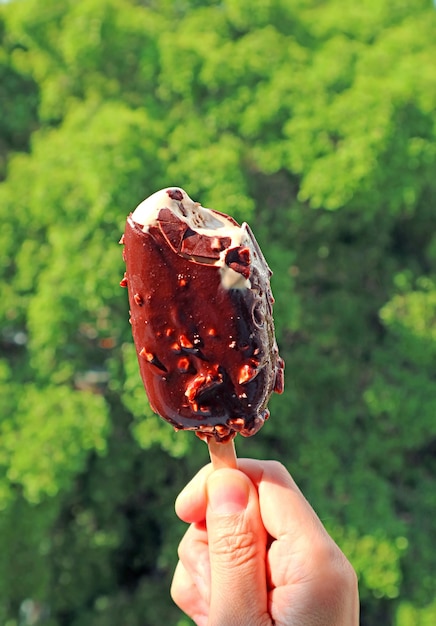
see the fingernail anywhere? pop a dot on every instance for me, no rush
(227, 491)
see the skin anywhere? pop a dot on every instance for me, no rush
(265, 557)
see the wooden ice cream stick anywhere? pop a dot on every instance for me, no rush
(222, 454)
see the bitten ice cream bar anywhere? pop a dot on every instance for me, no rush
(201, 315)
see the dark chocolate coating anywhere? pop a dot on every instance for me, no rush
(207, 355)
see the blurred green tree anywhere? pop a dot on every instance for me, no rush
(314, 122)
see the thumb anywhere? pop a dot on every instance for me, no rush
(237, 547)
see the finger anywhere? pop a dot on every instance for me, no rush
(184, 592)
(279, 492)
(303, 562)
(191, 502)
(322, 587)
(237, 545)
(301, 542)
(194, 555)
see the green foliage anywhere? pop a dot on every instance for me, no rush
(315, 123)
(376, 559)
(148, 429)
(64, 443)
(18, 102)
(408, 615)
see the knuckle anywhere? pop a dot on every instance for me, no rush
(337, 578)
(178, 585)
(176, 593)
(240, 547)
(183, 548)
(277, 467)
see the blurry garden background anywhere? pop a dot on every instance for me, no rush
(313, 120)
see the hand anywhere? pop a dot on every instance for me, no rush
(256, 554)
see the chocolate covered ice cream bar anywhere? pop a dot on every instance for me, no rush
(201, 315)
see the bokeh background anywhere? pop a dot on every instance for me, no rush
(314, 120)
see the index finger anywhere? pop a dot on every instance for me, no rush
(284, 509)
